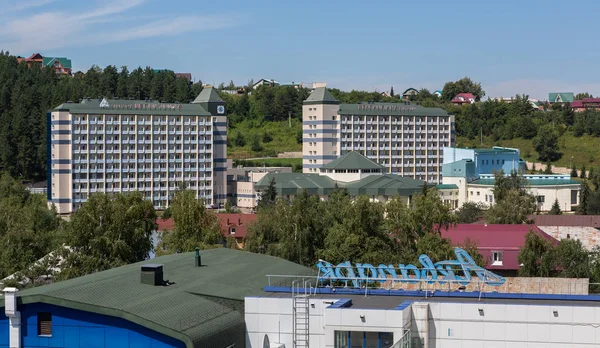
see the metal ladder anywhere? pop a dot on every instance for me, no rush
(301, 315)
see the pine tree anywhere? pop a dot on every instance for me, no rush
(583, 175)
(555, 210)
(548, 169)
(392, 91)
(574, 172)
(585, 193)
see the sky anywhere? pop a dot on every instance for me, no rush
(511, 47)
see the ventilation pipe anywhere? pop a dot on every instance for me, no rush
(14, 317)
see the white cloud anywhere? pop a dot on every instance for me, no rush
(54, 29)
(23, 5)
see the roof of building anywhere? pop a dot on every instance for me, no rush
(203, 305)
(208, 95)
(438, 91)
(240, 222)
(567, 220)
(187, 76)
(561, 97)
(488, 238)
(321, 95)
(496, 150)
(531, 182)
(446, 187)
(410, 91)
(315, 184)
(49, 61)
(390, 109)
(352, 160)
(466, 97)
(132, 107)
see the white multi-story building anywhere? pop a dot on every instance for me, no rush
(407, 139)
(134, 145)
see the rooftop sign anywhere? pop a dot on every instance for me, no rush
(440, 272)
(380, 107)
(150, 106)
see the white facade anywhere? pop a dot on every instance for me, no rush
(407, 139)
(436, 323)
(99, 148)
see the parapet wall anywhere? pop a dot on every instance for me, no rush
(533, 285)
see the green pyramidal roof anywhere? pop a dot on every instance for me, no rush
(321, 96)
(352, 160)
(208, 95)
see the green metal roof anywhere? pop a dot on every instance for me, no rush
(208, 95)
(390, 109)
(446, 187)
(49, 61)
(352, 160)
(321, 96)
(132, 107)
(410, 89)
(315, 184)
(495, 149)
(564, 97)
(203, 308)
(531, 182)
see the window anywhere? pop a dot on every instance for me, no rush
(232, 230)
(541, 199)
(44, 324)
(478, 193)
(496, 258)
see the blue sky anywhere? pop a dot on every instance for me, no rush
(528, 46)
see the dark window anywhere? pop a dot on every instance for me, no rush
(44, 324)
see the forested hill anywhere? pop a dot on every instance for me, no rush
(260, 116)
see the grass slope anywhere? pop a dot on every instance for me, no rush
(284, 138)
(584, 149)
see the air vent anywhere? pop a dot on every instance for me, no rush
(152, 274)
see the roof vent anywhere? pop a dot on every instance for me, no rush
(152, 274)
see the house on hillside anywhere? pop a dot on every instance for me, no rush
(463, 98)
(61, 65)
(409, 94)
(586, 104)
(498, 244)
(438, 93)
(561, 97)
(265, 82)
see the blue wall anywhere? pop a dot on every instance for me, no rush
(74, 329)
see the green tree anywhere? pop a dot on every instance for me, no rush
(464, 85)
(548, 168)
(392, 91)
(515, 209)
(255, 144)
(574, 172)
(195, 226)
(534, 256)
(580, 96)
(555, 210)
(230, 209)
(106, 232)
(269, 196)
(583, 174)
(582, 208)
(546, 143)
(469, 212)
(570, 259)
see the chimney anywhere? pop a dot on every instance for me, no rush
(227, 221)
(14, 317)
(198, 258)
(239, 222)
(152, 274)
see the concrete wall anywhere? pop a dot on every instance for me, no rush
(528, 285)
(512, 325)
(589, 236)
(273, 317)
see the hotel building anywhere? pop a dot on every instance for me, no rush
(134, 145)
(407, 139)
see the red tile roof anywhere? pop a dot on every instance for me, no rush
(505, 238)
(577, 104)
(238, 221)
(466, 96)
(567, 220)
